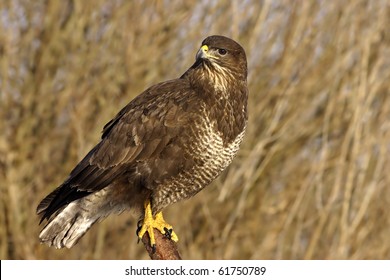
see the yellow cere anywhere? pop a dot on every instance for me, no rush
(205, 48)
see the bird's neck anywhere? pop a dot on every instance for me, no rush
(226, 100)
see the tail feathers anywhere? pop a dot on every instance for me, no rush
(67, 227)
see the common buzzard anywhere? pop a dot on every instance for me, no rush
(164, 146)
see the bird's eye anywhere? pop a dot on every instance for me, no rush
(222, 51)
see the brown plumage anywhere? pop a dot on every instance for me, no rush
(164, 146)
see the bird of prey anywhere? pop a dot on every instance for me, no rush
(164, 146)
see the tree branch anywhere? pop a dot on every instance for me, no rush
(166, 249)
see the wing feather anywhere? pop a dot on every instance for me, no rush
(143, 131)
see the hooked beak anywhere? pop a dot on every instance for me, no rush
(202, 52)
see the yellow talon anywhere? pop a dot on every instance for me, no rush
(149, 223)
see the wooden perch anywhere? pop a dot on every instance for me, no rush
(166, 249)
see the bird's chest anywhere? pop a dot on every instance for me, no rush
(208, 151)
(214, 150)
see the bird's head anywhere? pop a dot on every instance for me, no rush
(222, 55)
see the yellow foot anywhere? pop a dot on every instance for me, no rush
(149, 223)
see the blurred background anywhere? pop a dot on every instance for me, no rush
(311, 180)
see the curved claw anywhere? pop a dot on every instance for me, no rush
(139, 226)
(168, 233)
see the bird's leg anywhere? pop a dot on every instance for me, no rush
(149, 223)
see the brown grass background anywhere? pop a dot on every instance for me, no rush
(311, 180)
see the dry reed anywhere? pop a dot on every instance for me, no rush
(312, 178)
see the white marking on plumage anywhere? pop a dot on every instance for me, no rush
(67, 227)
(213, 150)
(73, 221)
(218, 76)
(214, 154)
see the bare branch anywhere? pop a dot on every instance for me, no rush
(166, 249)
